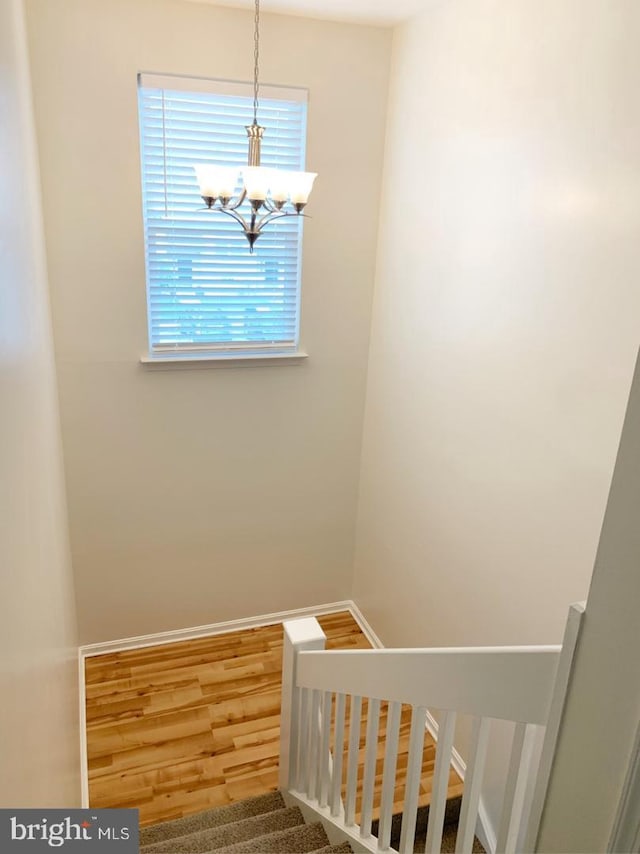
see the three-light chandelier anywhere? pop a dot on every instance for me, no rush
(270, 193)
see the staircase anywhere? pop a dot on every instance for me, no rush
(324, 697)
(262, 825)
(354, 739)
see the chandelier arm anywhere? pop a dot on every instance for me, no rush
(233, 205)
(238, 218)
(269, 217)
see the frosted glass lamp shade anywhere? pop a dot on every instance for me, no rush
(216, 181)
(300, 185)
(257, 181)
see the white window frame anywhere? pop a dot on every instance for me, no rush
(204, 355)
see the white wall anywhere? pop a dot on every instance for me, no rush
(505, 322)
(603, 705)
(203, 495)
(38, 656)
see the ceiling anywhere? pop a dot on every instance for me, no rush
(378, 12)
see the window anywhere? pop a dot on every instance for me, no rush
(206, 293)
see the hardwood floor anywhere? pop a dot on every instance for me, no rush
(179, 728)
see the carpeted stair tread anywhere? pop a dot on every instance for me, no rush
(264, 825)
(215, 817)
(301, 839)
(342, 848)
(215, 838)
(448, 841)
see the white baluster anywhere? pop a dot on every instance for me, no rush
(521, 751)
(338, 751)
(324, 749)
(394, 715)
(472, 785)
(440, 785)
(310, 745)
(303, 737)
(352, 762)
(314, 744)
(371, 752)
(414, 772)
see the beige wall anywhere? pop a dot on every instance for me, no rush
(203, 495)
(39, 736)
(505, 322)
(603, 706)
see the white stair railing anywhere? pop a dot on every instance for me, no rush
(505, 683)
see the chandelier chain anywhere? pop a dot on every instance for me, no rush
(256, 61)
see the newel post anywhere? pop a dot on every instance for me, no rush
(299, 636)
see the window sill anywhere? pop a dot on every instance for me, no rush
(190, 361)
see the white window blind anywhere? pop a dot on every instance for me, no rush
(205, 290)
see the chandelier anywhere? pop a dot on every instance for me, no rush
(270, 193)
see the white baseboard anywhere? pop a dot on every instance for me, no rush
(84, 761)
(175, 635)
(458, 763)
(485, 830)
(367, 630)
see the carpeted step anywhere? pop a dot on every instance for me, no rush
(302, 839)
(448, 841)
(215, 817)
(342, 848)
(223, 836)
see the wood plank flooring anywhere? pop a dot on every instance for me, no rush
(180, 728)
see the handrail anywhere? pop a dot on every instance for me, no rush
(510, 683)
